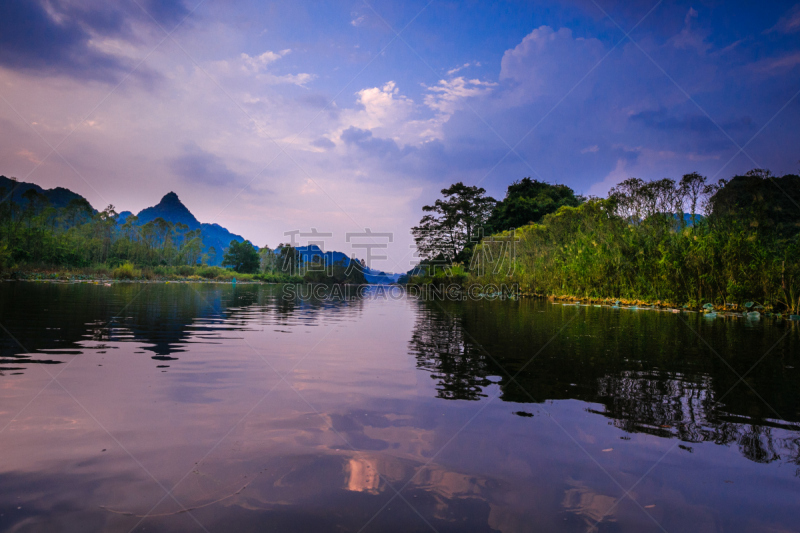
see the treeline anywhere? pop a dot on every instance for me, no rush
(33, 232)
(682, 242)
(37, 235)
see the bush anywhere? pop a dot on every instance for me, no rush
(184, 270)
(208, 272)
(126, 271)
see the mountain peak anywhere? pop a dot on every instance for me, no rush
(170, 198)
(169, 208)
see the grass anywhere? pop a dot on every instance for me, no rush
(130, 272)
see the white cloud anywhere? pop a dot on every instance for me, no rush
(448, 95)
(257, 68)
(258, 63)
(462, 67)
(547, 62)
(388, 114)
(591, 149)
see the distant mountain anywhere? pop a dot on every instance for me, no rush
(171, 209)
(59, 197)
(313, 253)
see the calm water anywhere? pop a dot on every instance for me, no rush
(154, 407)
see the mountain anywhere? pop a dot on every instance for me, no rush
(58, 197)
(171, 209)
(313, 253)
(218, 237)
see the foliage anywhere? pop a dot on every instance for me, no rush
(768, 202)
(640, 244)
(286, 263)
(36, 235)
(527, 201)
(242, 257)
(126, 271)
(453, 223)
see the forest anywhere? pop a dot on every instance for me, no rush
(75, 241)
(684, 242)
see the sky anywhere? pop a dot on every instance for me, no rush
(273, 117)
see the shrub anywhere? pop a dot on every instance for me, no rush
(126, 271)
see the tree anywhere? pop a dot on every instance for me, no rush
(454, 223)
(268, 259)
(288, 259)
(528, 201)
(768, 203)
(78, 210)
(242, 257)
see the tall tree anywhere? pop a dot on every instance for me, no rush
(242, 257)
(454, 223)
(528, 201)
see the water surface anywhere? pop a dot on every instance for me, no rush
(203, 407)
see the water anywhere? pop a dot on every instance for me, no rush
(177, 407)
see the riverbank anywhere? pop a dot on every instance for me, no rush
(127, 272)
(464, 285)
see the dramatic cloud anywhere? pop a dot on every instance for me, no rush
(72, 38)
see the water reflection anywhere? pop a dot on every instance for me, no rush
(649, 372)
(310, 415)
(164, 319)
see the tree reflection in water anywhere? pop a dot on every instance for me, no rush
(647, 372)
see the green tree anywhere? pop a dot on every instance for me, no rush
(527, 201)
(454, 223)
(242, 257)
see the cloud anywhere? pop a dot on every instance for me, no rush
(462, 67)
(63, 38)
(257, 67)
(697, 123)
(374, 145)
(789, 22)
(383, 104)
(776, 65)
(258, 63)
(32, 40)
(548, 62)
(448, 95)
(358, 21)
(199, 166)
(384, 148)
(689, 38)
(324, 143)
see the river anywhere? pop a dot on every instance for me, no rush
(212, 407)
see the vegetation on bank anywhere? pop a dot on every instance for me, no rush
(40, 241)
(647, 242)
(131, 272)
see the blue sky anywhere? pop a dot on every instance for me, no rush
(271, 117)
